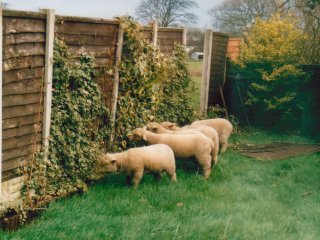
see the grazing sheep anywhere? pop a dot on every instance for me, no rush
(158, 128)
(223, 127)
(156, 159)
(183, 145)
(168, 127)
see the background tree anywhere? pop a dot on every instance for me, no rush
(309, 12)
(270, 58)
(195, 39)
(236, 16)
(167, 12)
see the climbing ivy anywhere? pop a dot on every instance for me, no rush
(77, 131)
(176, 105)
(152, 86)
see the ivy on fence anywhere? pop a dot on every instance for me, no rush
(153, 87)
(77, 131)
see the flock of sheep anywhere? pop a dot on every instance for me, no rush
(166, 141)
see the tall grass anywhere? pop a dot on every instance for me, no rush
(243, 199)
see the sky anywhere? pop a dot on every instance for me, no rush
(104, 8)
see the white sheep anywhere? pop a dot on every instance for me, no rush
(135, 161)
(183, 145)
(168, 127)
(223, 127)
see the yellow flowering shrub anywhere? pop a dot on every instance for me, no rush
(270, 56)
(276, 41)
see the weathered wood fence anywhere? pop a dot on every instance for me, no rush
(26, 79)
(214, 69)
(233, 49)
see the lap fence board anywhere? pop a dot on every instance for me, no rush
(276, 150)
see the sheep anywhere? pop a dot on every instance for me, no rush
(167, 127)
(135, 161)
(223, 127)
(158, 128)
(183, 145)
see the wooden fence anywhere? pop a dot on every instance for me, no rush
(233, 49)
(214, 69)
(26, 80)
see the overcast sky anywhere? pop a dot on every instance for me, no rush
(103, 8)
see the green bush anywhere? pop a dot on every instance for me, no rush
(270, 58)
(176, 105)
(152, 86)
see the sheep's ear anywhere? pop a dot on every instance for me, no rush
(144, 137)
(113, 161)
(144, 134)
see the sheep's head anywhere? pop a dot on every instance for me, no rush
(168, 125)
(138, 134)
(107, 163)
(154, 127)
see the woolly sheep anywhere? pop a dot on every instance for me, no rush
(135, 161)
(158, 128)
(208, 131)
(223, 127)
(183, 145)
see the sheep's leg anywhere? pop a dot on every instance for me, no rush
(157, 176)
(215, 158)
(172, 175)
(206, 171)
(214, 153)
(224, 145)
(205, 163)
(137, 177)
(224, 141)
(129, 179)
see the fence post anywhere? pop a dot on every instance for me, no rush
(206, 71)
(184, 37)
(155, 34)
(48, 80)
(1, 33)
(116, 83)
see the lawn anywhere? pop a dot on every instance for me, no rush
(195, 69)
(243, 199)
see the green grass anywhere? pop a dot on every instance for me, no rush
(195, 68)
(243, 199)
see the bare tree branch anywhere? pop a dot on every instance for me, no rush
(235, 16)
(167, 12)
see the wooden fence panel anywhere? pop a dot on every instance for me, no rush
(148, 33)
(218, 67)
(167, 37)
(233, 50)
(25, 67)
(97, 38)
(214, 71)
(23, 71)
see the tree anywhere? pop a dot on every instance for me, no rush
(195, 39)
(166, 12)
(237, 16)
(270, 58)
(309, 12)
